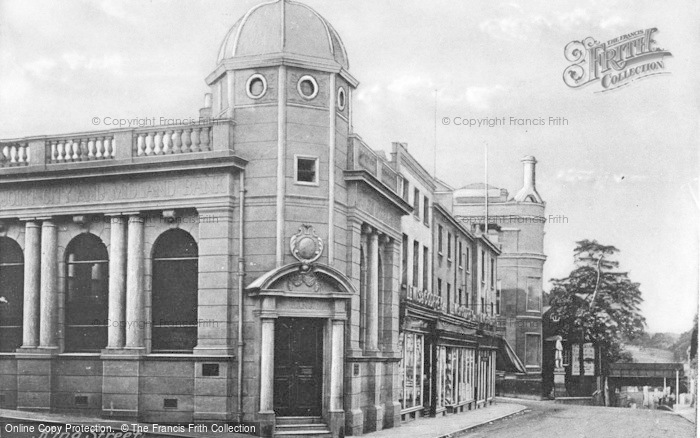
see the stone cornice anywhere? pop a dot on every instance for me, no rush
(133, 166)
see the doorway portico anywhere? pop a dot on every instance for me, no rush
(302, 314)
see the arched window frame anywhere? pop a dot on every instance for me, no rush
(87, 294)
(178, 269)
(11, 294)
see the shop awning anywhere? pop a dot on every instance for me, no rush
(506, 359)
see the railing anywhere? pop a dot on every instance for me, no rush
(76, 149)
(361, 157)
(119, 144)
(173, 140)
(14, 154)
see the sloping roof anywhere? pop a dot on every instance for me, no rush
(506, 359)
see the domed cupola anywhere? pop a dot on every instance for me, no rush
(283, 29)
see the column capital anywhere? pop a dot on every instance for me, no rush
(136, 218)
(367, 229)
(384, 239)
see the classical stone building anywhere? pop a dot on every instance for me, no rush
(246, 268)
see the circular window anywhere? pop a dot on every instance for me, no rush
(256, 87)
(341, 98)
(307, 87)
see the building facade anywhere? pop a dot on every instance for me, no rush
(446, 330)
(517, 224)
(262, 264)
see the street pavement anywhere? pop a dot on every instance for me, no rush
(548, 419)
(451, 425)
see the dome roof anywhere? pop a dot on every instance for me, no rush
(283, 27)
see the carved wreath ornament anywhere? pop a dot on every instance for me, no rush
(306, 247)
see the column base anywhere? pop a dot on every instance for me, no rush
(392, 414)
(267, 423)
(336, 423)
(35, 352)
(354, 422)
(375, 418)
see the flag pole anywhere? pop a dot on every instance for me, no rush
(486, 188)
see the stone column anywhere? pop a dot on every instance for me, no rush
(117, 282)
(32, 282)
(267, 364)
(134, 284)
(372, 316)
(48, 298)
(337, 363)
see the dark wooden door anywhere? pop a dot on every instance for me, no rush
(298, 366)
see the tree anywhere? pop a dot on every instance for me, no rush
(597, 303)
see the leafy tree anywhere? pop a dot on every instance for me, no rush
(597, 303)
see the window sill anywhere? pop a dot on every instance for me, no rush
(303, 183)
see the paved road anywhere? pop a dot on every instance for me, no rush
(547, 419)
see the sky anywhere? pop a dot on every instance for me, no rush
(624, 171)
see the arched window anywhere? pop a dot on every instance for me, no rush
(87, 294)
(11, 294)
(174, 296)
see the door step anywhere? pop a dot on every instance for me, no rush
(301, 427)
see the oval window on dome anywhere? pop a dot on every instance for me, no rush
(307, 87)
(341, 98)
(256, 87)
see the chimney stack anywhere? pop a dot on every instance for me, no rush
(528, 192)
(529, 171)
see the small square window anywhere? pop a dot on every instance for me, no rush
(306, 170)
(81, 400)
(210, 369)
(170, 403)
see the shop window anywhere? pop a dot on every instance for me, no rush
(87, 294)
(306, 170)
(11, 294)
(174, 297)
(411, 370)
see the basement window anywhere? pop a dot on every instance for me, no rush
(306, 170)
(81, 400)
(170, 403)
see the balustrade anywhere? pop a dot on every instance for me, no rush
(88, 148)
(173, 141)
(14, 154)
